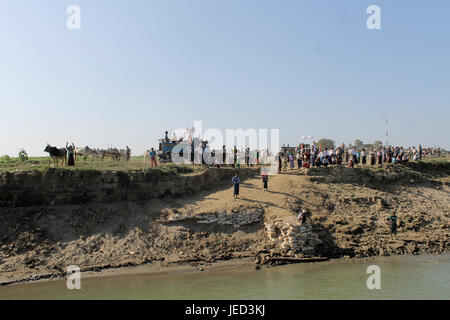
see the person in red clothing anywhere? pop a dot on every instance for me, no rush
(153, 158)
(265, 180)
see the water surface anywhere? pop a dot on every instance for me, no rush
(402, 277)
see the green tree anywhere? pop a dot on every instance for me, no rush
(326, 143)
(377, 144)
(358, 144)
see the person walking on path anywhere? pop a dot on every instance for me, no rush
(236, 180)
(70, 152)
(265, 180)
(393, 220)
(153, 158)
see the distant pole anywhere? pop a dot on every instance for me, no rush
(387, 133)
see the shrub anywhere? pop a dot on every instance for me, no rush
(23, 156)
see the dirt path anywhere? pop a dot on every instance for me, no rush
(281, 188)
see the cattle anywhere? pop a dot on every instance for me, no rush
(111, 152)
(147, 155)
(125, 154)
(122, 154)
(97, 153)
(85, 152)
(56, 153)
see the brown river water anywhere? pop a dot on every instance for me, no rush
(402, 277)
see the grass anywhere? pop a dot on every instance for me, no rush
(135, 163)
(437, 160)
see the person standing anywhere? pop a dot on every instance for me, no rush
(299, 158)
(224, 155)
(234, 156)
(393, 220)
(279, 162)
(247, 156)
(313, 157)
(128, 153)
(302, 216)
(363, 157)
(415, 154)
(236, 180)
(354, 153)
(420, 152)
(153, 158)
(265, 180)
(372, 157)
(70, 154)
(389, 156)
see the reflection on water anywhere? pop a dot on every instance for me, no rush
(402, 277)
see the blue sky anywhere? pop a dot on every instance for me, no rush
(137, 68)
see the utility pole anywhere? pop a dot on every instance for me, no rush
(387, 133)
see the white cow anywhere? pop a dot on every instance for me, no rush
(84, 151)
(125, 154)
(147, 155)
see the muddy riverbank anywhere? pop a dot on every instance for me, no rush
(347, 219)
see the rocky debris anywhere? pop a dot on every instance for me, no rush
(236, 219)
(409, 222)
(294, 204)
(296, 238)
(381, 204)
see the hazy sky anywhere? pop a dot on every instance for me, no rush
(137, 68)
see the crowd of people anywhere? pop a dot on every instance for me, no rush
(317, 156)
